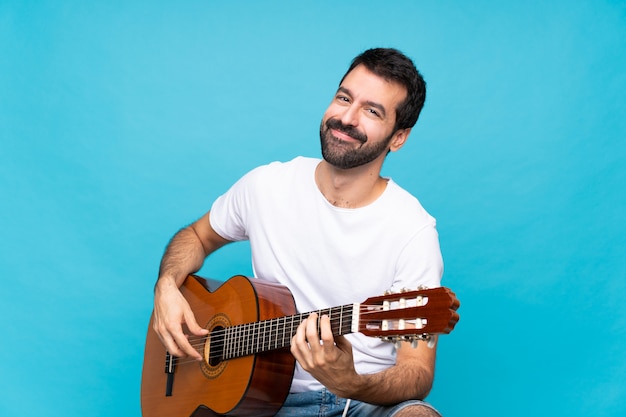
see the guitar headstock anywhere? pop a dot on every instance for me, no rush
(409, 315)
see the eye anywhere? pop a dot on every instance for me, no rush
(342, 98)
(373, 112)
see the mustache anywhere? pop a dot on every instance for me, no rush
(348, 130)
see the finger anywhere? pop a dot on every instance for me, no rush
(174, 339)
(168, 341)
(182, 341)
(299, 346)
(169, 344)
(326, 331)
(193, 325)
(312, 332)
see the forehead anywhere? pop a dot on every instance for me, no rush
(367, 86)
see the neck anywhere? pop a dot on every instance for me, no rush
(350, 188)
(252, 338)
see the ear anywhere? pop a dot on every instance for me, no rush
(399, 139)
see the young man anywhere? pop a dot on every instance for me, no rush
(334, 232)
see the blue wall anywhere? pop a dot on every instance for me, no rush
(121, 121)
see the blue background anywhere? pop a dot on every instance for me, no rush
(121, 121)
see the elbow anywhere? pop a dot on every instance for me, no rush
(423, 392)
(424, 385)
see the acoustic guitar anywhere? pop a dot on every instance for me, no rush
(247, 367)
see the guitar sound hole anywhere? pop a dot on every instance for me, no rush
(216, 350)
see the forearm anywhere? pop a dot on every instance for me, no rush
(184, 254)
(392, 385)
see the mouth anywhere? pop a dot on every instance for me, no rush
(345, 133)
(343, 136)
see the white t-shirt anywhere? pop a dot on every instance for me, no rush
(329, 256)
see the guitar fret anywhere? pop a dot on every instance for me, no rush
(330, 316)
(279, 333)
(249, 335)
(240, 336)
(251, 338)
(261, 344)
(277, 339)
(244, 339)
(282, 340)
(233, 345)
(267, 336)
(273, 335)
(225, 344)
(248, 339)
(229, 351)
(235, 337)
(285, 332)
(246, 336)
(258, 339)
(239, 340)
(340, 320)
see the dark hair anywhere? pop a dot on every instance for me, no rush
(393, 65)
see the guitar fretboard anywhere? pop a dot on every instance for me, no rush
(252, 338)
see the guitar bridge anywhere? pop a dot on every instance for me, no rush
(170, 367)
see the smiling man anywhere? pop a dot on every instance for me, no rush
(333, 231)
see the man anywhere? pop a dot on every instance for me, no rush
(334, 232)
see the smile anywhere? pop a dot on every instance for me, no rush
(344, 136)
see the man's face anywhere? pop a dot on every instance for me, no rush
(358, 126)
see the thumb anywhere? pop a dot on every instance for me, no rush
(192, 324)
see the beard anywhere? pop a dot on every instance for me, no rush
(344, 155)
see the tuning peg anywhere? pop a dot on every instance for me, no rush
(431, 342)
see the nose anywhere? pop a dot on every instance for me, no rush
(350, 116)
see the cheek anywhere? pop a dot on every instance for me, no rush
(329, 113)
(326, 116)
(378, 133)
(334, 111)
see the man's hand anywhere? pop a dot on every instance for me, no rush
(171, 310)
(328, 359)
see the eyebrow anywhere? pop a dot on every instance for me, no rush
(370, 103)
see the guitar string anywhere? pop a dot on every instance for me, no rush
(295, 320)
(198, 342)
(242, 342)
(275, 324)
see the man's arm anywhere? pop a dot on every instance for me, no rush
(410, 378)
(184, 255)
(331, 362)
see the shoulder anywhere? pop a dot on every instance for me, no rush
(406, 204)
(277, 179)
(281, 170)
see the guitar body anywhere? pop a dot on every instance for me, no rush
(254, 385)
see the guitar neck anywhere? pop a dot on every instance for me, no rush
(262, 336)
